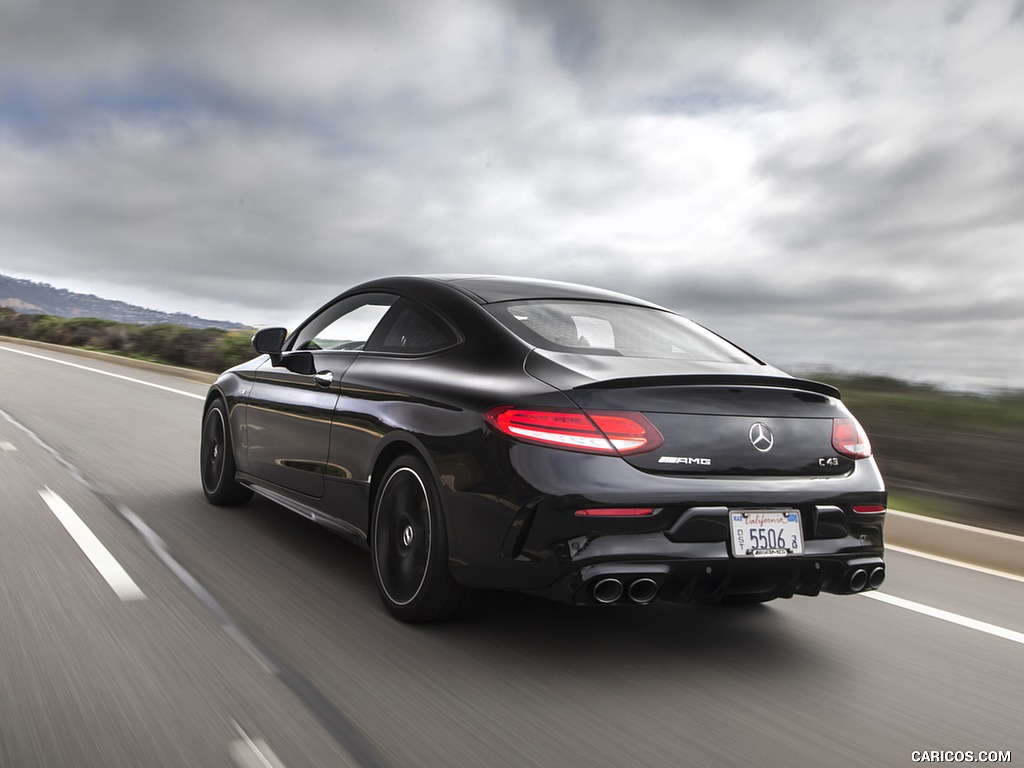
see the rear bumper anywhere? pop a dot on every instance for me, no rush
(716, 580)
(682, 572)
(540, 545)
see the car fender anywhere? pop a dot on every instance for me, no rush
(391, 446)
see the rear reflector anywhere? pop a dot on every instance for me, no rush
(608, 432)
(849, 439)
(615, 512)
(869, 509)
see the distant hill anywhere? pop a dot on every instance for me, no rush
(29, 297)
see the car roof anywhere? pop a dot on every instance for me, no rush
(488, 289)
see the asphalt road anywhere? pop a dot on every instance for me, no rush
(250, 637)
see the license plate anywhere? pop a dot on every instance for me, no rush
(766, 533)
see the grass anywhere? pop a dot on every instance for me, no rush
(928, 506)
(922, 407)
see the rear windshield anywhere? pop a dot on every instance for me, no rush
(596, 328)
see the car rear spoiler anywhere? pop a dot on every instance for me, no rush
(715, 380)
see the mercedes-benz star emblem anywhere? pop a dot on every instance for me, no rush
(761, 437)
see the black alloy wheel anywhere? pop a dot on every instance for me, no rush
(217, 461)
(409, 549)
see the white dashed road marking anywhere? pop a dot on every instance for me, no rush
(104, 562)
(252, 753)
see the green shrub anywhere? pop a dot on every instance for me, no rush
(208, 349)
(235, 347)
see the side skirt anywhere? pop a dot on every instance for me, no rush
(301, 507)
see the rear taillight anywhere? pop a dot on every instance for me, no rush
(849, 439)
(607, 432)
(615, 512)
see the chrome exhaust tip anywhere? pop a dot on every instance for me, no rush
(643, 590)
(607, 590)
(858, 580)
(876, 578)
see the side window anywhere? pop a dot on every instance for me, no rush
(345, 325)
(411, 328)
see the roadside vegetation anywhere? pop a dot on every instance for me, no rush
(946, 454)
(954, 455)
(206, 349)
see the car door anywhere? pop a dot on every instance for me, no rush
(292, 405)
(387, 389)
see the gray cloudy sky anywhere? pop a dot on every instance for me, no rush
(824, 183)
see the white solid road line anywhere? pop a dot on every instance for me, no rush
(957, 563)
(953, 618)
(5, 446)
(961, 526)
(105, 373)
(104, 562)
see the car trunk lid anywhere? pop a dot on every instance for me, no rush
(719, 423)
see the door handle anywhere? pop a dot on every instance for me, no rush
(323, 378)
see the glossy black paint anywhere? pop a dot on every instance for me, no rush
(313, 430)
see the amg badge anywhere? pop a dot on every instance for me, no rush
(684, 460)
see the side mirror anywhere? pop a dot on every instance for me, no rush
(270, 341)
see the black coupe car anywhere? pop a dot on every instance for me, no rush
(482, 432)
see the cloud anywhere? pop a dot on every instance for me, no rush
(828, 183)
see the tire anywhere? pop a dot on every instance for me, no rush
(409, 547)
(217, 460)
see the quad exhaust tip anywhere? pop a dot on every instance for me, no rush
(611, 590)
(607, 590)
(858, 580)
(877, 577)
(861, 579)
(643, 590)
